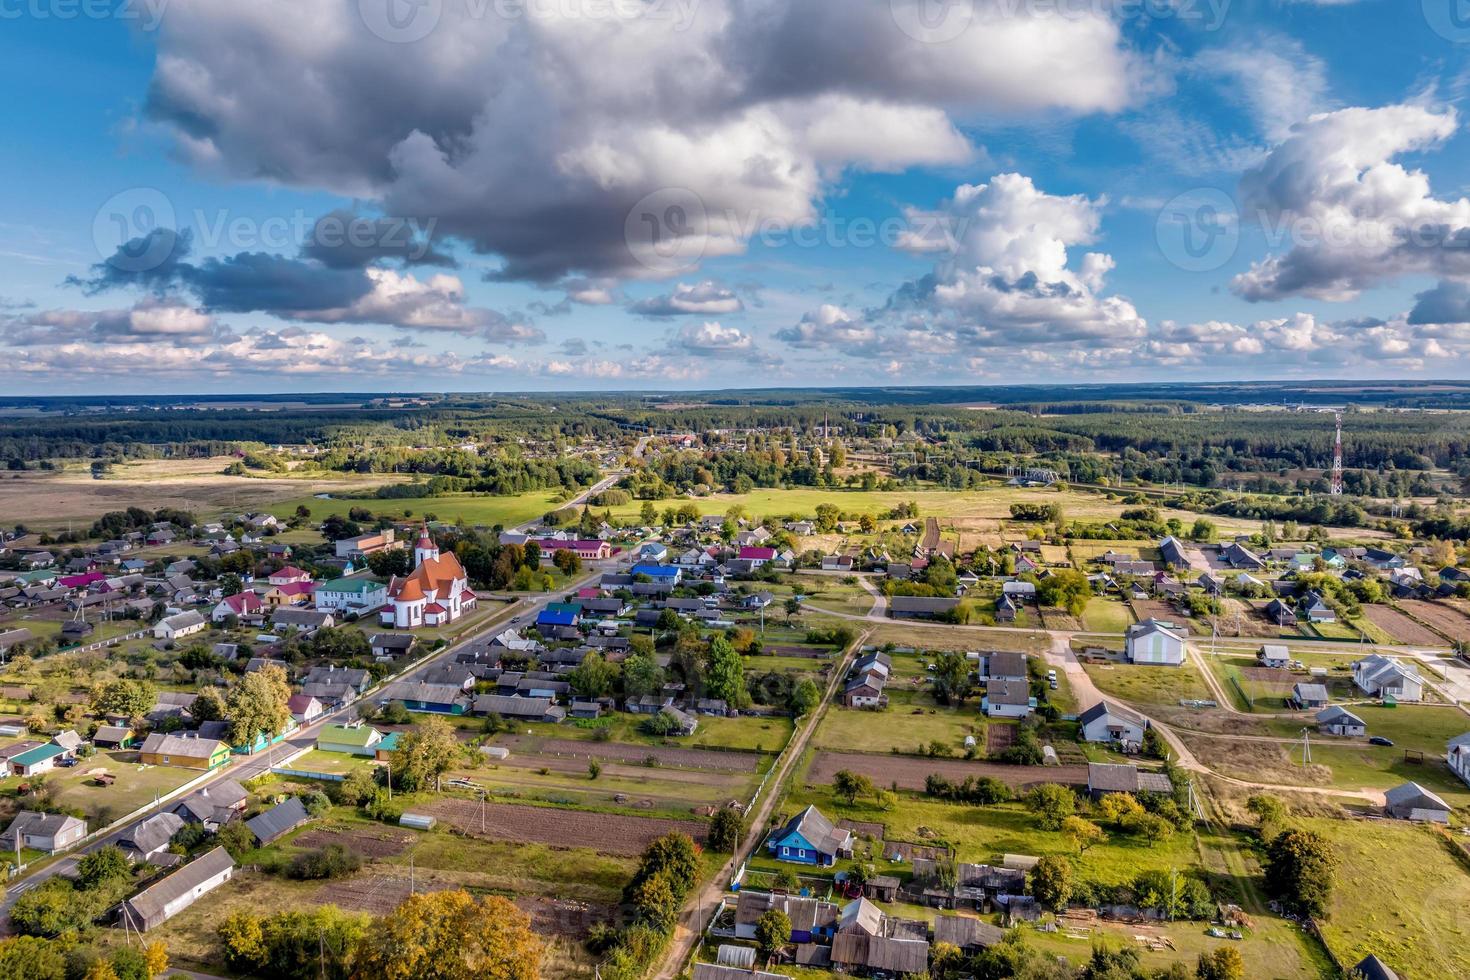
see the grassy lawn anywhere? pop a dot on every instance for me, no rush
(1274, 948)
(135, 786)
(904, 726)
(336, 763)
(1106, 616)
(748, 733)
(472, 508)
(1413, 916)
(1150, 684)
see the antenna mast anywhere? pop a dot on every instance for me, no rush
(1337, 459)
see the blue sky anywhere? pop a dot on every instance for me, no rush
(844, 192)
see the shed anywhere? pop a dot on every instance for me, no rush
(278, 821)
(162, 901)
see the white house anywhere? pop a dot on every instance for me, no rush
(1337, 720)
(1110, 722)
(1457, 754)
(1383, 677)
(353, 594)
(179, 625)
(1155, 642)
(1007, 699)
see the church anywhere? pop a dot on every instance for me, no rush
(436, 592)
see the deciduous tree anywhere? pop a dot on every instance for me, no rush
(1300, 870)
(424, 754)
(1051, 881)
(772, 931)
(257, 706)
(450, 935)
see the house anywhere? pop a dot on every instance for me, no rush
(1104, 778)
(1391, 680)
(1155, 642)
(358, 548)
(1315, 609)
(356, 594)
(967, 933)
(1173, 553)
(351, 739)
(532, 709)
(837, 563)
(48, 832)
(278, 821)
(161, 901)
(184, 751)
(651, 551)
(179, 625)
(1238, 556)
(756, 556)
(920, 607)
(442, 699)
(1383, 560)
(559, 614)
(113, 737)
(1337, 720)
(147, 839)
(357, 679)
(1413, 802)
(1109, 722)
(812, 920)
(1309, 696)
(665, 573)
(1457, 756)
(1273, 655)
(290, 575)
(756, 600)
(1002, 665)
(879, 944)
(304, 707)
(1280, 613)
(810, 838)
(42, 758)
(436, 592)
(1007, 699)
(593, 549)
(393, 645)
(239, 605)
(305, 620)
(865, 690)
(213, 806)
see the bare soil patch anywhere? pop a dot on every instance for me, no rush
(635, 754)
(785, 651)
(1400, 627)
(1446, 619)
(864, 828)
(608, 833)
(563, 764)
(370, 844)
(998, 738)
(1056, 618)
(909, 772)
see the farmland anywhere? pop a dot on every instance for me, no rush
(605, 833)
(1400, 628)
(908, 772)
(474, 509)
(1446, 619)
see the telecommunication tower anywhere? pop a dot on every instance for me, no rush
(1337, 459)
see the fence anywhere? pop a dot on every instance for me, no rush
(1250, 703)
(331, 777)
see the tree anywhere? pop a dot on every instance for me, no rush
(772, 931)
(648, 513)
(568, 561)
(1081, 833)
(257, 706)
(950, 677)
(130, 698)
(100, 970)
(209, 706)
(1225, 963)
(230, 584)
(804, 697)
(1154, 746)
(641, 674)
(341, 643)
(104, 865)
(725, 828)
(1269, 811)
(1117, 807)
(1051, 881)
(1203, 530)
(30, 958)
(725, 673)
(1052, 804)
(1067, 588)
(424, 754)
(155, 958)
(850, 785)
(1300, 870)
(593, 677)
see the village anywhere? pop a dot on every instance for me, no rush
(899, 740)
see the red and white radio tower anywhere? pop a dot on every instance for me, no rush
(1337, 460)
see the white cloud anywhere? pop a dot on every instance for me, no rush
(703, 299)
(400, 299)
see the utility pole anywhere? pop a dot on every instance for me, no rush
(1306, 747)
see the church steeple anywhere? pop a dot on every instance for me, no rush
(425, 550)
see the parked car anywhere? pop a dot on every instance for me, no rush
(1380, 740)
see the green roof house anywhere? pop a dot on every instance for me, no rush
(357, 593)
(354, 739)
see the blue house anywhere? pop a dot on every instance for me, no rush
(658, 572)
(809, 838)
(560, 614)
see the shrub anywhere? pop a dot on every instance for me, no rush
(332, 861)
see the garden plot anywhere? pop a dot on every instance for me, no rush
(607, 833)
(1400, 628)
(1446, 619)
(634, 754)
(909, 772)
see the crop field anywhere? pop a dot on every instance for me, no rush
(617, 787)
(53, 500)
(1414, 915)
(909, 772)
(606, 833)
(1400, 628)
(369, 842)
(1446, 619)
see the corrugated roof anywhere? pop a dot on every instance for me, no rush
(149, 904)
(278, 820)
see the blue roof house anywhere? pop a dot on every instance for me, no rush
(809, 838)
(560, 614)
(657, 572)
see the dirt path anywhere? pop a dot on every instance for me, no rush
(880, 601)
(692, 919)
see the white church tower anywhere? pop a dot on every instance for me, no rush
(425, 549)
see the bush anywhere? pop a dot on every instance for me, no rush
(316, 802)
(332, 861)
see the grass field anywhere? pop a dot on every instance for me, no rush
(471, 508)
(1149, 684)
(1106, 616)
(1414, 912)
(134, 787)
(909, 722)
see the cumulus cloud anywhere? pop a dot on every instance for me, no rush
(303, 289)
(533, 137)
(1349, 217)
(1004, 277)
(703, 299)
(153, 321)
